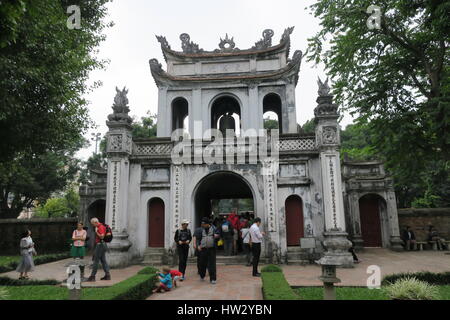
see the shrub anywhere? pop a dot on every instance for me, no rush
(6, 281)
(137, 287)
(412, 289)
(271, 268)
(3, 294)
(148, 270)
(275, 287)
(40, 259)
(442, 278)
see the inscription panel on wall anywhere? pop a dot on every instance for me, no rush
(156, 175)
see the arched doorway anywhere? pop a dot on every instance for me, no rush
(156, 223)
(180, 112)
(220, 193)
(226, 110)
(294, 220)
(370, 218)
(96, 209)
(272, 105)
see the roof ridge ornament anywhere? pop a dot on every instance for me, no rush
(187, 45)
(227, 44)
(163, 41)
(287, 34)
(266, 40)
(324, 88)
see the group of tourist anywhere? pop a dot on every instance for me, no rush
(410, 243)
(206, 238)
(77, 251)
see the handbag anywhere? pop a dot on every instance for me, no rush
(220, 243)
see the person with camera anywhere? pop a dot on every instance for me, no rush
(183, 238)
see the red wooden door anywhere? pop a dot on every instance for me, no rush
(369, 213)
(156, 223)
(294, 220)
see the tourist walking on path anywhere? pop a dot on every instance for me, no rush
(26, 251)
(245, 234)
(78, 249)
(256, 237)
(227, 236)
(183, 238)
(99, 251)
(206, 248)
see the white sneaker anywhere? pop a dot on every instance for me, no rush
(213, 281)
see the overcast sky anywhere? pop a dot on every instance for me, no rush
(131, 43)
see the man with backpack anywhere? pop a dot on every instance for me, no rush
(227, 236)
(103, 234)
(205, 245)
(183, 238)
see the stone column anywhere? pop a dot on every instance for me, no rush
(353, 200)
(328, 142)
(391, 208)
(118, 149)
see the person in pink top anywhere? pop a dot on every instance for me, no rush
(78, 250)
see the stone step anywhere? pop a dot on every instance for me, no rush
(154, 250)
(298, 262)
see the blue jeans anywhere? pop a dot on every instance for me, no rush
(100, 256)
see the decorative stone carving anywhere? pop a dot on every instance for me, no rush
(286, 34)
(187, 45)
(115, 142)
(266, 40)
(329, 135)
(163, 41)
(227, 44)
(325, 106)
(120, 107)
(324, 88)
(333, 191)
(336, 245)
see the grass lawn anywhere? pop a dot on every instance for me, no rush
(348, 293)
(36, 292)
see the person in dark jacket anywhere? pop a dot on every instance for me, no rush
(205, 245)
(409, 238)
(183, 238)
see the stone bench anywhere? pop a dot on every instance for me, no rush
(421, 244)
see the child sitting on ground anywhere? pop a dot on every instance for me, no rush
(176, 275)
(165, 280)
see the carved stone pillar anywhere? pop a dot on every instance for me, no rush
(118, 149)
(328, 141)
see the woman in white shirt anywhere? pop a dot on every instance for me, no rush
(26, 250)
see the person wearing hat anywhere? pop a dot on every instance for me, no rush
(205, 246)
(183, 238)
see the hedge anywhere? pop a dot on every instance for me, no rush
(275, 286)
(442, 278)
(40, 259)
(6, 281)
(137, 287)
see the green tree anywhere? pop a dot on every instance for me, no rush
(356, 142)
(146, 127)
(395, 79)
(270, 124)
(30, 178)
(309, 126)
(43, 71)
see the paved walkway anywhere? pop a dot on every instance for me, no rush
(57, 270)
(236, 282)
(389, 262)
(233, 283)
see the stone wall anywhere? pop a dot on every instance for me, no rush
(420, 219)
(49, 235)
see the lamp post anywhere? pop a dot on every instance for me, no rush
(96, 138)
